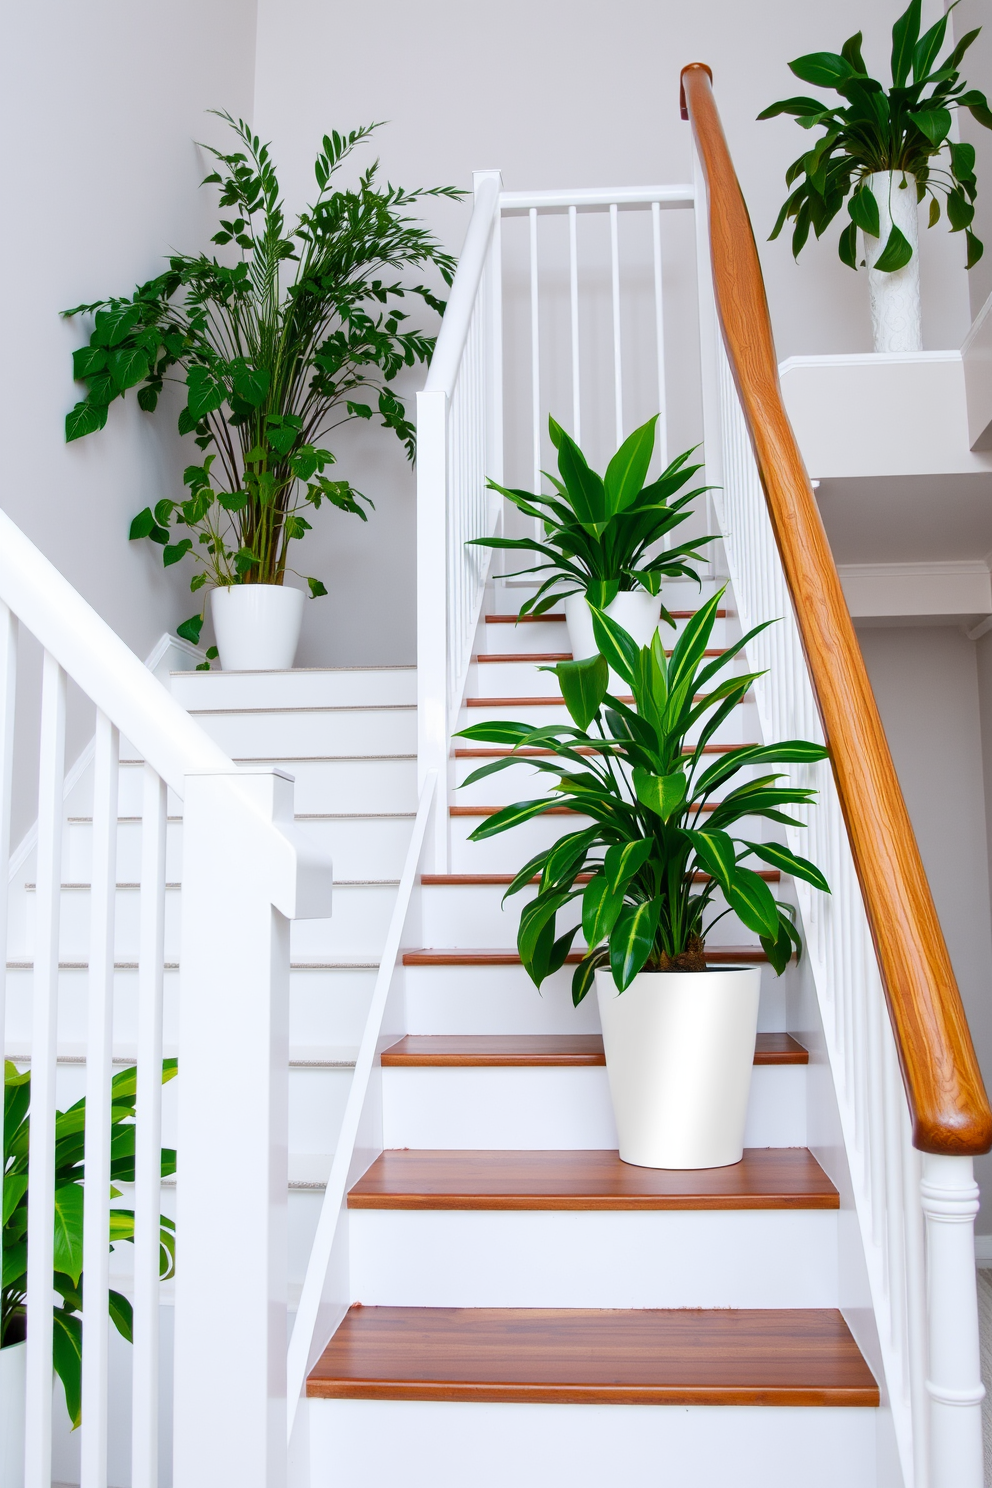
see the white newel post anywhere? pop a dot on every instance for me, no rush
(432, 607)
(244, 877)
(954, 1382)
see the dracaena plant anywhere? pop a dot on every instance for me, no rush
(663, 812)
(598, 530)
(303, 332)
(906, 129)
(67, 1278)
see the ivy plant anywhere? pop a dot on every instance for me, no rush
(67, 1278)
(597, 530)
(666, 828)
(299, 330)
(905, 130)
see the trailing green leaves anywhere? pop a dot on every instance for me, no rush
(905, 131)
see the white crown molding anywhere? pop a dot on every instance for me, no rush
(926, 569)
(869, 359)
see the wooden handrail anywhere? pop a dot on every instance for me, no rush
(947, 1098)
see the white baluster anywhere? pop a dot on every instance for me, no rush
(99, 1073)
(949, 1196)
(617, 356)
(535, 353)
(573, 286)
(659, 332)
(148, 1135)
(41, 1168)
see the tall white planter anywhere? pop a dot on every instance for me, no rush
(679, 1054)
(12, 1379)
(635, 609)
(257, 626)
(896, 319)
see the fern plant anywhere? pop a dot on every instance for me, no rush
(303, 332)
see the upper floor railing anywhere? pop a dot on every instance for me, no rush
(246, 873)
(879, 929)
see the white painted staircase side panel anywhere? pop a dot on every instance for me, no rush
(328, 687)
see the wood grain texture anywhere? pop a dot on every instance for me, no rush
(541, 1050)
(944, 1086)
(503, 956)
(541, 619)
(494, 752)
(553, 701)
(551, 810)
(493, 657)
(456, 880)
(765, 1178)
(798, 1357)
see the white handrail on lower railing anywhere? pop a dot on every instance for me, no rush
(915, 1211)
(459, 445)
(247, 871)
(325, 1296)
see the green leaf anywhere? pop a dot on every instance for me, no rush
(128, 366)
(510, 816)
(631, 941)
(751, 900)
(927, 48)
(85, 418)
(778, 948)
(780, 857)
(190, 629)
(959, 211)
(583, 686)
(67, 1356)
(975, 249)
(586, 490)
(601, 905)
(585, 974)
(69, 1230)
(121, 1315)
(627, 471)
(142, 525)
(851, 52)
(15, 1186)
(112, 326)
(863, 209)
(662, 794)
(618, 649)
(252, 384)
(625, 859)
(715, 854)
(174, 551)
(905, 35)
(822, 69)
(317, 589)
(895, 255)
(847, 246)
(935, 123)
(205, 393)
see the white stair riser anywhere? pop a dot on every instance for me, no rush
(427, 1445)
(474, 915)
(503, 1000)
(327, 1010)
(333, 784)
(530, 679)
(544, 1109)
(552, 636)
(281, 736)
(358, 924)
(522, 782)
(542, 1258)
(508, 851)
(333, 688)
(740, 727)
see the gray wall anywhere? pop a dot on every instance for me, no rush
(934, 692)
(977, 70)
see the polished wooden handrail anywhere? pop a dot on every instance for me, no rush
(947, 1099)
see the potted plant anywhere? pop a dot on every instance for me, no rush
(67, 1279)
(883, 153)
(270, 368)
(679, 1039)
(598, 533)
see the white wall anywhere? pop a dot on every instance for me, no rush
(937, 717)
(559, 92)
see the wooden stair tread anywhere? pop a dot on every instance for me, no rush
(541, 1050)
(492, 658)
(549, 810)
(506, 956)
(553, 701)
(463, 880)
(796, 1357)
(595, 1179)
(492, 752)
(540, 619)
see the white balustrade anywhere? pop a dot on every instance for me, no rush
(922, 1285)
(247, 872)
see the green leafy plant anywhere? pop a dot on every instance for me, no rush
(270, 368)
(657, 825)
(598, 529)
(904, 130)
(67, 1279)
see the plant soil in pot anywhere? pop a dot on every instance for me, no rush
(663, 860)
(679, 1054)
(257, 626)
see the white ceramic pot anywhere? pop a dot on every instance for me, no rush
(257, 626)
(896, 319)
(679, 1053)
(12, 1381)
(635, 609)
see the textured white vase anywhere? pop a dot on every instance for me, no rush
(896, 319)
(679, 1054)
(635, 609)
(257, 626)
(12, 1386)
